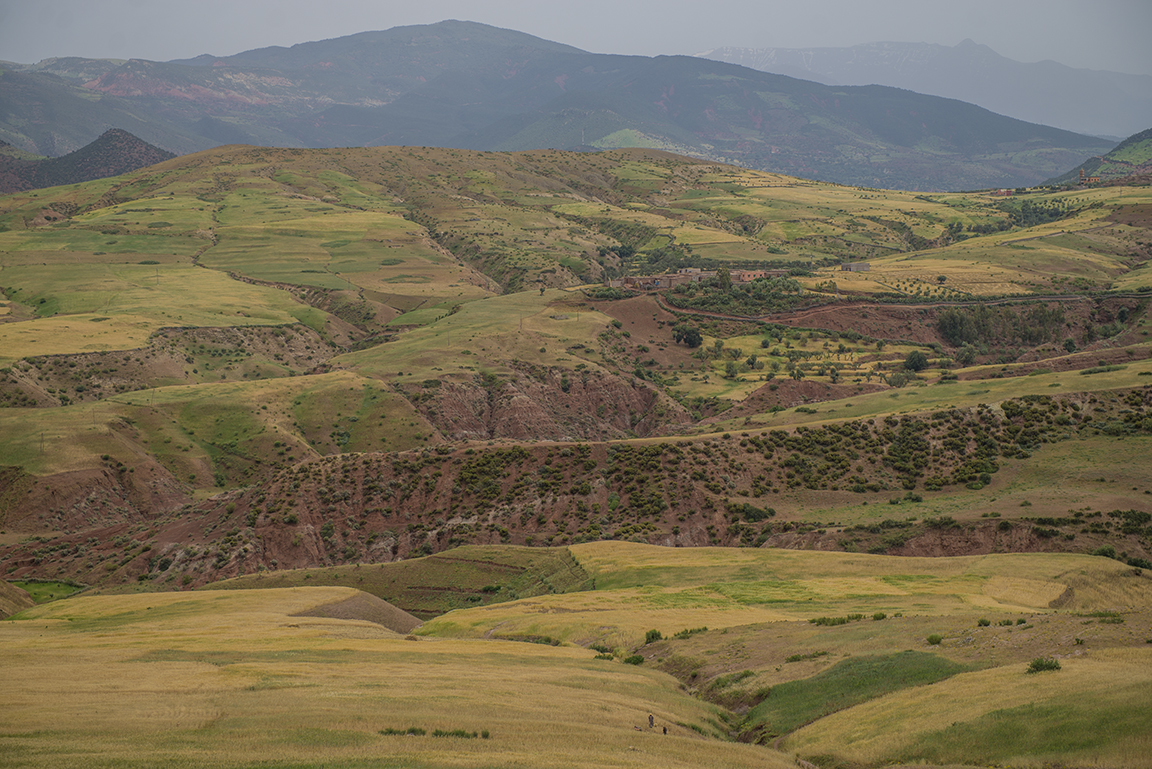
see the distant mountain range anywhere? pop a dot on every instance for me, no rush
(1087, 101)
(467, 85)
(115, 152)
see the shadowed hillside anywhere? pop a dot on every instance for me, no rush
(115, 152)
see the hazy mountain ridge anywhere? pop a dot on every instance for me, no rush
(466, 85)
(48, 115)
(1087, 101)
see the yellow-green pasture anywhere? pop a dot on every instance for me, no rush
(989, 268)
(1091, 712)
(238, 678)
(1086, 250)
(198, 430)
(48, 245)
(640, 587)
(330, 247)
(106, 306)
(526, 242)
(747, 611)
(482, 337)
(162, 215)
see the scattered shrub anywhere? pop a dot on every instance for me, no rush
(652, 636)
(832, 621)
(935, 639)
(1041, 664)
(879, 616)
(983, 622)
(635, 659)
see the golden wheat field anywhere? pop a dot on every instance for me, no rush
(235, 679)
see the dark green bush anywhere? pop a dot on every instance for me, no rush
(935, 639)
(635, 659)
(652, 636)
(1041, 664)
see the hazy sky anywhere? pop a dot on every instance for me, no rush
(1096, 34)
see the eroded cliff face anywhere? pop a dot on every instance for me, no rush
(548, 404)
(86, 499)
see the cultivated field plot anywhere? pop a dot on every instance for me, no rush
(197, 430)
(639, 587)
(481, 336)
(90, 307)
(240, 678)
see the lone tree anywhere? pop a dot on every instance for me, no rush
(723, 279)
(689, 335)
(941, 278)
(916, 361)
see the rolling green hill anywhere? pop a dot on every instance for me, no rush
(405, 317)
(276, 407)
(1130, 158)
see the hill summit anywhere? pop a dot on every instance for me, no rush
(113, 153)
